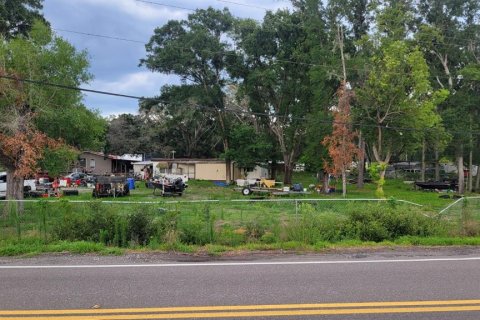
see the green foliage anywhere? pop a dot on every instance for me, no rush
(57, 161)
(380, 223)
(248, 148)
(139, 225)
(375, 170)
(314, 226)
(57, 112)
(17, 17)
(202, 69)
(255, 230)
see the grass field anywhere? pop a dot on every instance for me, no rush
(216, 219)
(207, 190)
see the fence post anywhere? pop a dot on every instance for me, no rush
(296, 209)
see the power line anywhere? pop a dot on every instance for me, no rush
(366, 66)
(143, 42)
(99, 35)
(164, 5)
(244, 4)
(242, 112)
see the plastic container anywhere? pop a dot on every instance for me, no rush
(131, 183)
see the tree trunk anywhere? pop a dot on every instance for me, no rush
(461, 177)
(470, 159)
(326, 187)
(274, 170)
(477, 182)
(470, 171)
(15, 190)
(437, 166)
(288, 168)
(379, 192)
(287, 178)
(14, 186)
(424, 166)
(361, 163)
(228, 171)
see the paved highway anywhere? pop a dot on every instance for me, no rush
(440, 284)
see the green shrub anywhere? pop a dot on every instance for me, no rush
(379, 222)
(254, 230)
(194, 231)
(139, 226)
(96, 223)
(313, 226)
(120, 233)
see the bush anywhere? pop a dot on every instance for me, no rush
(254, 230)
(96, 223)
(199, 229)
(139, 226)
(379, 222)
(313, 226)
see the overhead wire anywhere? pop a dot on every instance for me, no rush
(143, 42)
(237, 111)
(164, 5)
(184, 48)
(229, 53)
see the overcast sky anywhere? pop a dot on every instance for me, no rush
(114, 63)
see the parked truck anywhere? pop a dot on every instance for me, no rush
(28, 185)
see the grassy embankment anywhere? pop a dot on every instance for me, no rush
(225, 226)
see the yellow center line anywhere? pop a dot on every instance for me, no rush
(259, 313)
(239, 307)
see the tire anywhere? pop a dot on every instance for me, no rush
(247, 191)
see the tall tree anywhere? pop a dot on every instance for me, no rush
(447, 34)
(17, 16)
(124, 135)
(25, 107)
(273, 64)
(249, 147)
(397, 94)
(196, 49)
(340, 143)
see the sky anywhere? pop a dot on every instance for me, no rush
(115, 63)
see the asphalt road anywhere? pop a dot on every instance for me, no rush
(428, 284)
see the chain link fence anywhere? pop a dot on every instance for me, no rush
(464, 214)
(87, 220)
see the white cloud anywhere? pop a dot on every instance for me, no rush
(140, 10)
(141, 83)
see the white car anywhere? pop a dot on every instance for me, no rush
(29, 185)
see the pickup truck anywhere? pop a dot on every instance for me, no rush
(28, 185)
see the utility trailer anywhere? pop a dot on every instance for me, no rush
(265, 186)
(111, 187)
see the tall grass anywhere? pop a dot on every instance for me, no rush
(96, 226)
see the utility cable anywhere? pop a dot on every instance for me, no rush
(165, 5)
(241, 112)
(230, 53)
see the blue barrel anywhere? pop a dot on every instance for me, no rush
(131, 183)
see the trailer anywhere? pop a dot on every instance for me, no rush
(265, 186)
(110, 187)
